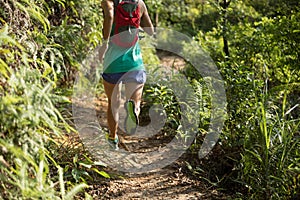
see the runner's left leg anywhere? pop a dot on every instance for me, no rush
(113, 93)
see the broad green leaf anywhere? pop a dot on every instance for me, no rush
(102, 173)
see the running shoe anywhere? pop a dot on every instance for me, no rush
(113, 143)
(131, 120)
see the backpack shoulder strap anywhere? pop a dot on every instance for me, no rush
(116, 2)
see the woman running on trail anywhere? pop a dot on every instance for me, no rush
(122, 65)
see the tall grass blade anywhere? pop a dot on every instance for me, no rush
(61, 182)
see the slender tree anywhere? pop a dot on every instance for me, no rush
(224, 6)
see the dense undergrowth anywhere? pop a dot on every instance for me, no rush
(253, 43)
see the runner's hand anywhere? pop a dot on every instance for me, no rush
(102, 51)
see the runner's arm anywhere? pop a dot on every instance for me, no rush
(108, 9)
(146, 23)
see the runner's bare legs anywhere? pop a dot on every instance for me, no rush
(113, 92)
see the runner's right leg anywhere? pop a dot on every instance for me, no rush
(133, 92)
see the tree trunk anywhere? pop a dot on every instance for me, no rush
(156, 18)
(224, 6)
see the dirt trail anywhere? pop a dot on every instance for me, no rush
(171, 182)
(167, 183)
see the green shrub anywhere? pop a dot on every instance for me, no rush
(28, 120)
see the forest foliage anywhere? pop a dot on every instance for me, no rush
(254, 43)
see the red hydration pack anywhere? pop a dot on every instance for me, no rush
(127, 23)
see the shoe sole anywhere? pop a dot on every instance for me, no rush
(131, 120)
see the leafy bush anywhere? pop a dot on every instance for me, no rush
(32, 67)
(261, 81)
(270, 161)
(28, 119)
